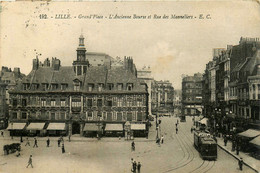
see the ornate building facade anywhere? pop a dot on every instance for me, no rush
(81, 99)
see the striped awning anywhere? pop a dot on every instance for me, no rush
(56, 126)
(114, 127)
(137, 126)
(16, 126)
(35, 126)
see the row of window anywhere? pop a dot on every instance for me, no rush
(78, 103)
(129, 116)
(77, 86)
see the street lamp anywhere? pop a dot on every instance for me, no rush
(99, 125)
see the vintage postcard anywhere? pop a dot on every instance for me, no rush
(138, 86)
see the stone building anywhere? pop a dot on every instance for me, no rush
(80, 99)
(3, 105)
(145, 74)
(192, 95)
(162, 97)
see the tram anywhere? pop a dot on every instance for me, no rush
(206, 145)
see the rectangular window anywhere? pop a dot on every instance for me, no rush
(110, 86)
(43, 102)
(130, 86)
(76, 104)
(109, 116)
(109, 103)
(119, 102)
(120, 86)
(62, 115)
(63, 103)
(14, 102)
(129, 103)
(99, 102)
(129, 116)
(53, 102)
(90, 115)
(63, 86)
(89, 103)
(139, 116)
(14, 115)
(52, 116)
(100, 87)
(54, 86)
(76, 87)
(24, 102)
(119, 116)
(45, 86)
(90, 87)
(24, 115)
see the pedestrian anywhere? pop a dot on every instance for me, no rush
(176, 125)
(225, 140)
(176, 130)
(35, 143)
(63, 149)
(21, 139)
(191, 129)
(139, 167)
(48, 142)
(240, 163)
(158, 141)
(237, 149)
(58, 142)
(2, 133)
(162, 139)
(177, 121)
(134, 167)
(30, 162)
(27, 142)
(69, 138)
(133, 146)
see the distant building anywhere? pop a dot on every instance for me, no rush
(177, 101)
(81, 99)
(162, 97)
(3, 105)
(192, 95)
(145, 74)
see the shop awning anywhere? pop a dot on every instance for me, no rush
(204, 121)
(114, 127)
(35, 126)
(137, 126)
(91, 127)
(56, 126)
(256, 141)
(250, 133)
(16, 126)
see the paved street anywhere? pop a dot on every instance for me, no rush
(177, 154)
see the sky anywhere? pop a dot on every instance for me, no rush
(171, 47)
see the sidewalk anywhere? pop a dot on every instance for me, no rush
(248, 160)
(77, 138)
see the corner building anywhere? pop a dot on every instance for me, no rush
(80, 99)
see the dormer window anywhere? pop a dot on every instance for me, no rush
(110, 86)
(64, 86)
(90, 87)
(54, 86)
(76, 87)
(45, 86)
(100, 87)
(129, 86)
(35, 86)
(120, 86)
(25, 86)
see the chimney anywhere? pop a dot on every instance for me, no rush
(17, 70)
(35, 63)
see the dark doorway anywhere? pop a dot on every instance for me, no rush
(75, 128)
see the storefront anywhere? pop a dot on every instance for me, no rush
(16, 129)
(36, 129)
(246, 136)
(139, 130)
(92, 129)
(114, 130)
(56, 129)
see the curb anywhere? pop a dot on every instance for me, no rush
(227, 151)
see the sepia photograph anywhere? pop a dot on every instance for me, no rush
(130, 86)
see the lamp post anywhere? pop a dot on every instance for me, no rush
(99, 125)
(156, 126)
